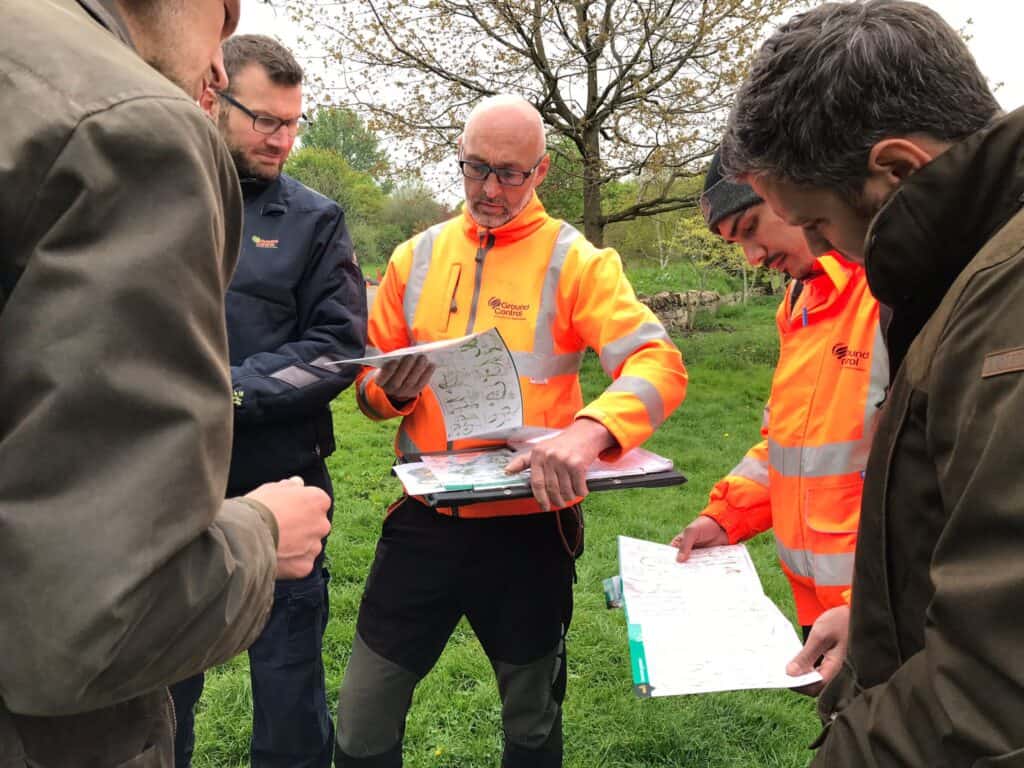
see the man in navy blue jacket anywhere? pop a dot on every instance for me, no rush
(297, 302)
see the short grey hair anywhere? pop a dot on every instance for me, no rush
(836, 80)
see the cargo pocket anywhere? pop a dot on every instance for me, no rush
(306, 616)
(449, 294)
(834, 509)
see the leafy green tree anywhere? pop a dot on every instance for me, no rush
(341, 130)
(639, 87)
(411, 208)
(329, 173)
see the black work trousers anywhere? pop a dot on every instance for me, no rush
(511, 577)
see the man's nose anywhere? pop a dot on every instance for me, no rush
(280, 138)
(754, 253)
(491, 186)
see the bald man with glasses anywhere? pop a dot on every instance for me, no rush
(508, 566)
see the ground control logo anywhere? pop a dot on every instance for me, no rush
(259, 242)
(849, 358)
(507, 309)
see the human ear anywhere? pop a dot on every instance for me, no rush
(893, 160)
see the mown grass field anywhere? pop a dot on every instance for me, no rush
(455, 718)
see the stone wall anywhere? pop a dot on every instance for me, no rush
(676, 310)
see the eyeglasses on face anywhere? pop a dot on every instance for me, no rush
(266, 124)
(507, 177)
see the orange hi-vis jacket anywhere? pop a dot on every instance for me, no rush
(804, 479)
(551, 294)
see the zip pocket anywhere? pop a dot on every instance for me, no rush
(449, 293)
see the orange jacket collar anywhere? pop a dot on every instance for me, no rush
(529, 220)
(837, 274)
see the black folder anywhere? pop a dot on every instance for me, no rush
(464, 498)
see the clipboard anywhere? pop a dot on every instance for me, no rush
(464, 498)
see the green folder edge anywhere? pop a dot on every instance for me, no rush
(638, 661)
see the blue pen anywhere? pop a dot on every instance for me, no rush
(805, 317)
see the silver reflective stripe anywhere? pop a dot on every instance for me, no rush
(818, 461)
(364, 399)
(421, 254)
(646, 392)
(297, 377)
(330, 362)
(879, 382)
(544, 334)
(405, 443)
(542, 367)
(752, 469)
(615, 353)
(833, 570)
(372, 351)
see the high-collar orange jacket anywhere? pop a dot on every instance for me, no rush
(551, 294)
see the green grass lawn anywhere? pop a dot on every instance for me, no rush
(455, 721)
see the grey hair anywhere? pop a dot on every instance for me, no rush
(836, 80)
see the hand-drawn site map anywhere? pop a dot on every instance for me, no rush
(475, 383)
(703, 625)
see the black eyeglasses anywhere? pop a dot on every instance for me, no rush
(507, 177)
(266, 124)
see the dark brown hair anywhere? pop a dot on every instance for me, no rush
(242, 50)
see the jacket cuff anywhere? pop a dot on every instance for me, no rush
(265, 514)
(730, 519)
(623, 443)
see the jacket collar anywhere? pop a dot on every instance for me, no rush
(272, 196)
(941, 216)
(837, 269)
(106, 14)
(528, 221)
(833, 275)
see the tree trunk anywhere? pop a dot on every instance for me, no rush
(593, 219)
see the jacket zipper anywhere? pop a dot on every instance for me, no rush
(174, 714)
(485, 246)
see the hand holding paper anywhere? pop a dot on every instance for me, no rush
(403, 378)
(827, 642)
(702, 532)
(558, 465)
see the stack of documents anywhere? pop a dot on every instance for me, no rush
(703, 625)
(485, 469)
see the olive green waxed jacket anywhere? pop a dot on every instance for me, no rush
(934, 676)
(123, 567)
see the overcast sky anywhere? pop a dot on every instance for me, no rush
(995, 37)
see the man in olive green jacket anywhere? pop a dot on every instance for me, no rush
(123, 567)
(910, 166)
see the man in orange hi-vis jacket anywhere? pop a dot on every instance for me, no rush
(506, 566)
(804, 479)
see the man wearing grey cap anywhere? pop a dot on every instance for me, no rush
(804, 479)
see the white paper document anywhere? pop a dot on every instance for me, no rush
(475, 382)
(704, 625)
